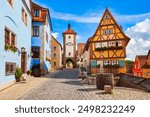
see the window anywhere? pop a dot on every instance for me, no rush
(117, 44)
(69, 53)
(69, 37)
(115, 62)
(55, 64)
(55, 55)
(35, 31)
(55, 47)
(36, 52)
(107, 62)
(105, 31)
(108, 31)
(13, 37)
(10, 37)
(7, 37)
(46, 37)
(10, 2)
(112, 43)
(24, 17)
(10, 68)
(106, 16)
(36, 13)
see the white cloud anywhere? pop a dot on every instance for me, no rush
(140, 39)
(56, 34)
(94, 17)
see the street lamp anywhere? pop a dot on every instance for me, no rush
(23, 49)
(31, 54)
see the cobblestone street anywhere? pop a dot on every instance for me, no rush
(63, 85)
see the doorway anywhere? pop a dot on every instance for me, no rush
(23, 61)
(69, 63)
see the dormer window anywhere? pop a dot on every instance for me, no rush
(36, 13)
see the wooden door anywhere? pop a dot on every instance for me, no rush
(23, 62)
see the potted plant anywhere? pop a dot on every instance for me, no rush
(14, 49)
(7, 47)
(18, 74)
(29, 72)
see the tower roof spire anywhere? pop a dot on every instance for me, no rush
(69, 25)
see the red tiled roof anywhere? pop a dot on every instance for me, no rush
(57, 41)
(142, 59)
(80, 48)
(43, 13)
(69, 31)
(147, 65)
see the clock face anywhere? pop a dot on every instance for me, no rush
(69, 43)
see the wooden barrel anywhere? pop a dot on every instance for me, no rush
(103, 79)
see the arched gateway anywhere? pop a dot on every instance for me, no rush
(69, 63)
(69, 44)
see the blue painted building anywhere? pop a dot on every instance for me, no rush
(41, 39)
(15, 38)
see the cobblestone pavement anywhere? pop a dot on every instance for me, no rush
(65, 86)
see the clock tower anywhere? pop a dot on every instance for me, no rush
(69, 48)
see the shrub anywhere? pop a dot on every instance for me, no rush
(29, 72)
(18, 73)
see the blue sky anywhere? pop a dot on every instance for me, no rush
(85, 15)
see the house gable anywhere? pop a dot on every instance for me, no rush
(108, 29)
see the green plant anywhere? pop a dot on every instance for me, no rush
(14, 49)
(29, 72)
(7, 47)
(10, 48)
(116, 65)
(129, 62)
(101, 48)
(18, 72)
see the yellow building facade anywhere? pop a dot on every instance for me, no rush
(108, 46)
(56, 54)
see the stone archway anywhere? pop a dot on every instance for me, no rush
(69, 63)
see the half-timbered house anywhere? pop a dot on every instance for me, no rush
(108, 46)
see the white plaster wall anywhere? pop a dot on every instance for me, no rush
(69, 48)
